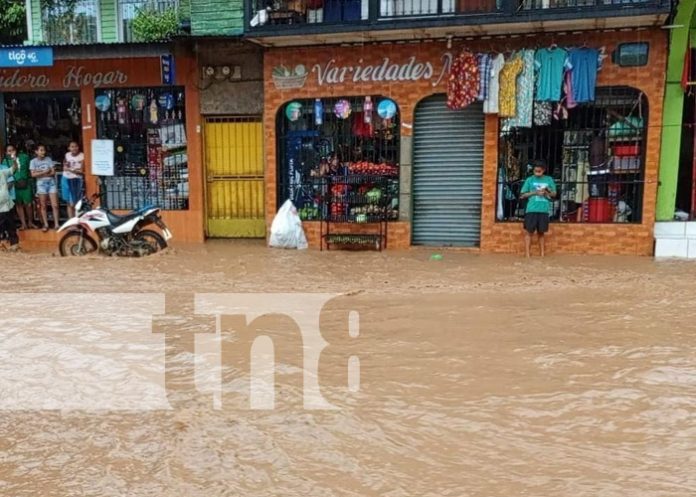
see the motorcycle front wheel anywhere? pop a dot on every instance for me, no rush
(152, 240)
(76, 243)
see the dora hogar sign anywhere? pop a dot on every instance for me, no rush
(73, 77)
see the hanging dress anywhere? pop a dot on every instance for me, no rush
(464, 81)
(490, 105)
(508, 86)
(525, 93)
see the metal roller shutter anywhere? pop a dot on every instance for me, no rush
(447, 174)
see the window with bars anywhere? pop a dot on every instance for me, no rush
(148, 128)
(69, 21)
(596, 157)
(129, 9)
(338, 137)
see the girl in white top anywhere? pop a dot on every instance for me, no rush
(71, 183)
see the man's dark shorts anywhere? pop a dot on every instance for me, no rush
(536, 221)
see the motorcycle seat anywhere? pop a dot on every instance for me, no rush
(116, 220)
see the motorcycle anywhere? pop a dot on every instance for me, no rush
(94, 229)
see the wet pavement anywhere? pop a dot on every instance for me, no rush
(479, 376)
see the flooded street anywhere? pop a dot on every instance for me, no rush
(480, 376)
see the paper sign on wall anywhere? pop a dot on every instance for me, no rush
(103, 157)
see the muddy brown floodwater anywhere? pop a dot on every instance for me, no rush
(481, 376)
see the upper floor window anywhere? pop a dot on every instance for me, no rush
(149, 11)
(69, 21)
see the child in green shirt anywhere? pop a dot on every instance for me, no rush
(539, 189)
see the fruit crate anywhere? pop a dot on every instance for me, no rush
(355, 211)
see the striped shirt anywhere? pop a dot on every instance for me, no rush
(484, 63)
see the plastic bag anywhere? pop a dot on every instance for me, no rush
(286, 229)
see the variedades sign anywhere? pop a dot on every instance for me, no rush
(407, 69)
(26, 57)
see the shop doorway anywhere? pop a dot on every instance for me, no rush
(447, 174)
(52, 119)
(234, 177)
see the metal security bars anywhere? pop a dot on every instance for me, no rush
(129, 9)
(279, 17)
(596, 157)
(148, 129)
(570, 4)
(419, 8)
(69, 21)
(339, 143)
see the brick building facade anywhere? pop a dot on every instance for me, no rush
(426, 77)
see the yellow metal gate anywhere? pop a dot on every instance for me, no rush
(234, 177)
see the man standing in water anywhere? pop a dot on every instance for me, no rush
(539, 189)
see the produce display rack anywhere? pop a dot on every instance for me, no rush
(343, 204)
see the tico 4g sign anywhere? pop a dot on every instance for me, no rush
(26, 57)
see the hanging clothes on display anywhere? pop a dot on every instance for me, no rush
(582, 190)
(484, 63)
(464, 81)
(525, 93)
(567, 102)
(584, 63)
(508, 86)
(550, 64)
(543, 113)
(490, 105)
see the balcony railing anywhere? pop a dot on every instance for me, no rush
(272, 15)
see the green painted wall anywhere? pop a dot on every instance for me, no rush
(217, 17)
(108, 12)
(673, 110)
(36, 22)
(109, 20)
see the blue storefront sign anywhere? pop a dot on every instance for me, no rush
(26, 57)
(167, 67)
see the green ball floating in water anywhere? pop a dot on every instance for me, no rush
(436, 257)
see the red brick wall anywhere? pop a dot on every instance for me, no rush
(495, 237)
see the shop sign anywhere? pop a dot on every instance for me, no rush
(167, 69)
(75, 77)
(26, 57)
(330, 73)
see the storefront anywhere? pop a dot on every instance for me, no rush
(152, 121)
(451, 177)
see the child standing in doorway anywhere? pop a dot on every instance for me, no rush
(71, 183)
(43, 169)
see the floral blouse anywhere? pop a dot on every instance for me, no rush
(464, 81)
